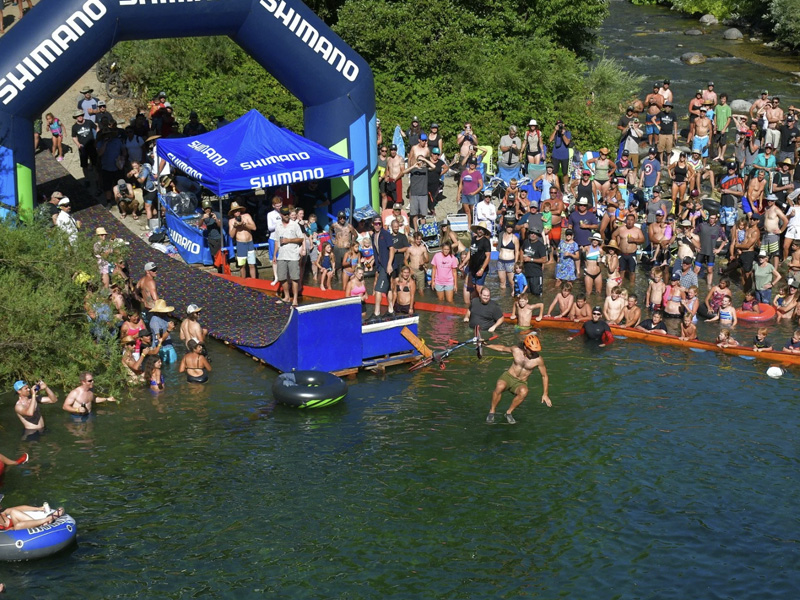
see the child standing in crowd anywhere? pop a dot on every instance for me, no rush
(351, 259)
(57, 131)
(520, 281)
(367, 255)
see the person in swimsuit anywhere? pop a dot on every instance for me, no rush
(603, 167)
(691, 303)
(612, 264)
(28, 401)
(325, 262)
(357, 287)
(688, 329)
(153, 377)
(714, 299)
(17, 517)
(404, 292)
(681, 173)
(515, 379)
(350, 262)
(655, 289)
(592, 274)
(367, 254)
(194, 364)
(727, 313)
(508, 253)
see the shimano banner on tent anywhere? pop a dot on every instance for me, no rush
(59, 40)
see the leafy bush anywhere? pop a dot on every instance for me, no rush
(784, 13)
(44, 332)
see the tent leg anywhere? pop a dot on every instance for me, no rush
(352, 200)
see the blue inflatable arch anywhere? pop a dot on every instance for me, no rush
(59, 40)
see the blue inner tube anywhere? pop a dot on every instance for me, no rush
(308, 389)
(26, 544)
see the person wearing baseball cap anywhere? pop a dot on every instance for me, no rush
(650, 173)
(145, 290)
(585, 187)
(27, 407)
(790, 135)
(434, 139)
(191, 328)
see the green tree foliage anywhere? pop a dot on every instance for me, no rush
(493, 63)
(207, 75)
(786, 16)
(44, 332)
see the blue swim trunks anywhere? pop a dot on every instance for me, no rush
(700, 143)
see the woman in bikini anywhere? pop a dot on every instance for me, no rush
(153, 377)
(405, 288)
(508, 253)
(612, 264)
(195, 364)
(132, 327)
(17, 517)
(680, 172)
(356, 286)
(592, 273)
(350, 260)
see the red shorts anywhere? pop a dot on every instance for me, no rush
(555, 234)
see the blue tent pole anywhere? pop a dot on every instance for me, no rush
(352, 200)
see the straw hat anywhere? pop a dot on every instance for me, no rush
(482, 225)
(100, 231)
(604, 150)
(151, 138)
(612, 244)
(128, 339)
(787, 161)
(161, 307)
(236, 206)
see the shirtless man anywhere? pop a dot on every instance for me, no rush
(755, 193)
(557, 216)
(709, 95)
(564, 300)
(417, 259)
(343, 235)
(614, 307)
(421, 150)
(700, 132)
(405, 289)
(240, 228)
(654, 103)
(79, 401)
(190, 328)
(759, 106)
(775, 223)
(515, 379)
(628, 238)
(394, 176)
(745, 251)
(581, 311)
(145, 290)
(632, 313)
(28, 400)
(688, 241)
(775, 119)
(659, 241)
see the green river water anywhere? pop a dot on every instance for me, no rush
(658, 473)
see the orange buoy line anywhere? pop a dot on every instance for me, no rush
(546, 322)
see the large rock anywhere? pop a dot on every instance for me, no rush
(732, 34)
(709, 20)
(741, 106)
(693, 58)
(692, 32)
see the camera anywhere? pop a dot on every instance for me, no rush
(123, 189)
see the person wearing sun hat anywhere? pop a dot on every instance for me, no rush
(161, 327)
(240, 228)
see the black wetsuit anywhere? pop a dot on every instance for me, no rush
(594, 331)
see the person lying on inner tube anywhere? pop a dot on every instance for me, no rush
(596, 330)
(17, 518)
